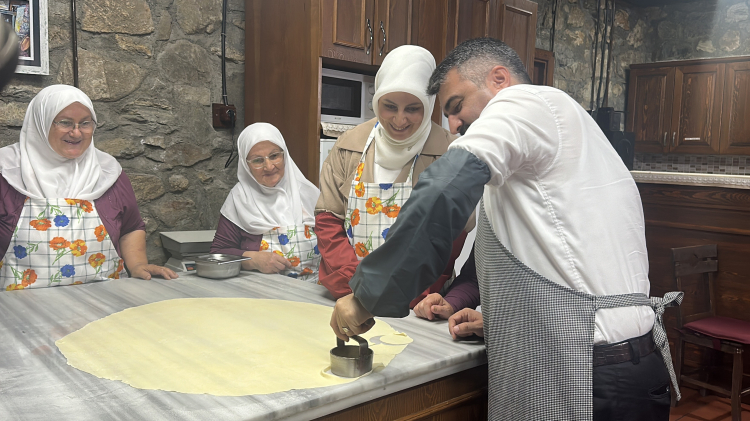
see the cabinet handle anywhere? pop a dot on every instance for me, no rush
(673, 136)
(369, 45)
(382, 29)
(664, 142)
(696, 139)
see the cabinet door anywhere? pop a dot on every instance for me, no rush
(348, 30)
(514, 23)
(735, 133)
(650, 95)
(470, 19)
(696, 115)
(392, 27)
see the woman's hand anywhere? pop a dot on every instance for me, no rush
(266, 262)
(466, 322)
(147, 270)
(433, 306)
(133, 249)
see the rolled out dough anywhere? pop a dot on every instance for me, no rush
(216, 346)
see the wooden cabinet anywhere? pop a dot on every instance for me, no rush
(650, 107)
(287, 42)
(364, 31)
(693, 107)
(735, 121)
(696, 124)
(511, 21)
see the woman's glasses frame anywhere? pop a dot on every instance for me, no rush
(259, 161)
(68, 125)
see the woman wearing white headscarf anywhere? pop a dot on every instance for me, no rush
(68, 213)
(269, 214)
(371, 169)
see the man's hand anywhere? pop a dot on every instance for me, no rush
(350, 318)
(145, 272)
(466, 322)
(432, 306)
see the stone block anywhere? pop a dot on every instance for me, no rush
(12, 114)
(186, 63)
(186, 155)
(176, 212)
(164, 27)
(122, 16)
(120, 148)
(102, 78)
(147, 187)
(131, 44)
(178, 183)
(195, 16)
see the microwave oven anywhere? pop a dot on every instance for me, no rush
(346, 97)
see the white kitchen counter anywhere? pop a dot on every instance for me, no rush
(37, 383)
(692, 179)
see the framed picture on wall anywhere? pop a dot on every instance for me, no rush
(29, 20)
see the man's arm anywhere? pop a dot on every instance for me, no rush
(418, 246)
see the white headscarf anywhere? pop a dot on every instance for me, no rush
(34, 169)
(256, 208)
(406, 69)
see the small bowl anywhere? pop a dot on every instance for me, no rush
(218, 266)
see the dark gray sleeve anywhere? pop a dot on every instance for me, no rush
(418, 246)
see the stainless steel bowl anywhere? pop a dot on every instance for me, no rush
(218, 266)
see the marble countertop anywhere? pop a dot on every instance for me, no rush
(693, 179)
(36, 382)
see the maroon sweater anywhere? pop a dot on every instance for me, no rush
(231, 239)
(117, 208)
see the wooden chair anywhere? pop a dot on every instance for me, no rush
(703, 328)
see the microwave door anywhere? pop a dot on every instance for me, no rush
(341, 101)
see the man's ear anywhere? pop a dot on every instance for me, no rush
(498, 79)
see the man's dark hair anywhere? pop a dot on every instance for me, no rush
(474, 59)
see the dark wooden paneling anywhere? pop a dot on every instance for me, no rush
(517, 19)
(544, 68)
(735, 135)
(393, 20)
(429, 27)
(697, 113)
(681, 216)
(284, 34)
(458, 397)
(650, 108)
(472, 20)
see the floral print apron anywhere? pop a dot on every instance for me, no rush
(59, 242)
(299, 247)
(373, 207)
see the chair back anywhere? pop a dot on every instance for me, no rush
(690, 261)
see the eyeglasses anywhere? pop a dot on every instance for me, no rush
(258, 162)
(68, 125)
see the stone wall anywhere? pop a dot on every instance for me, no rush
(152, 68)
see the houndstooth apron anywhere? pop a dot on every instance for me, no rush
(540, 336)
(59, 242)
(373, 207)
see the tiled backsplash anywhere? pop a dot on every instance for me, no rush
(704, 164)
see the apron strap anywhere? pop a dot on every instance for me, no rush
(670, 299)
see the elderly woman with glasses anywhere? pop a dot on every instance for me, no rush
(68, 214)
(270, 213)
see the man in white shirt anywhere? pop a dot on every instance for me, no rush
(560, 250)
